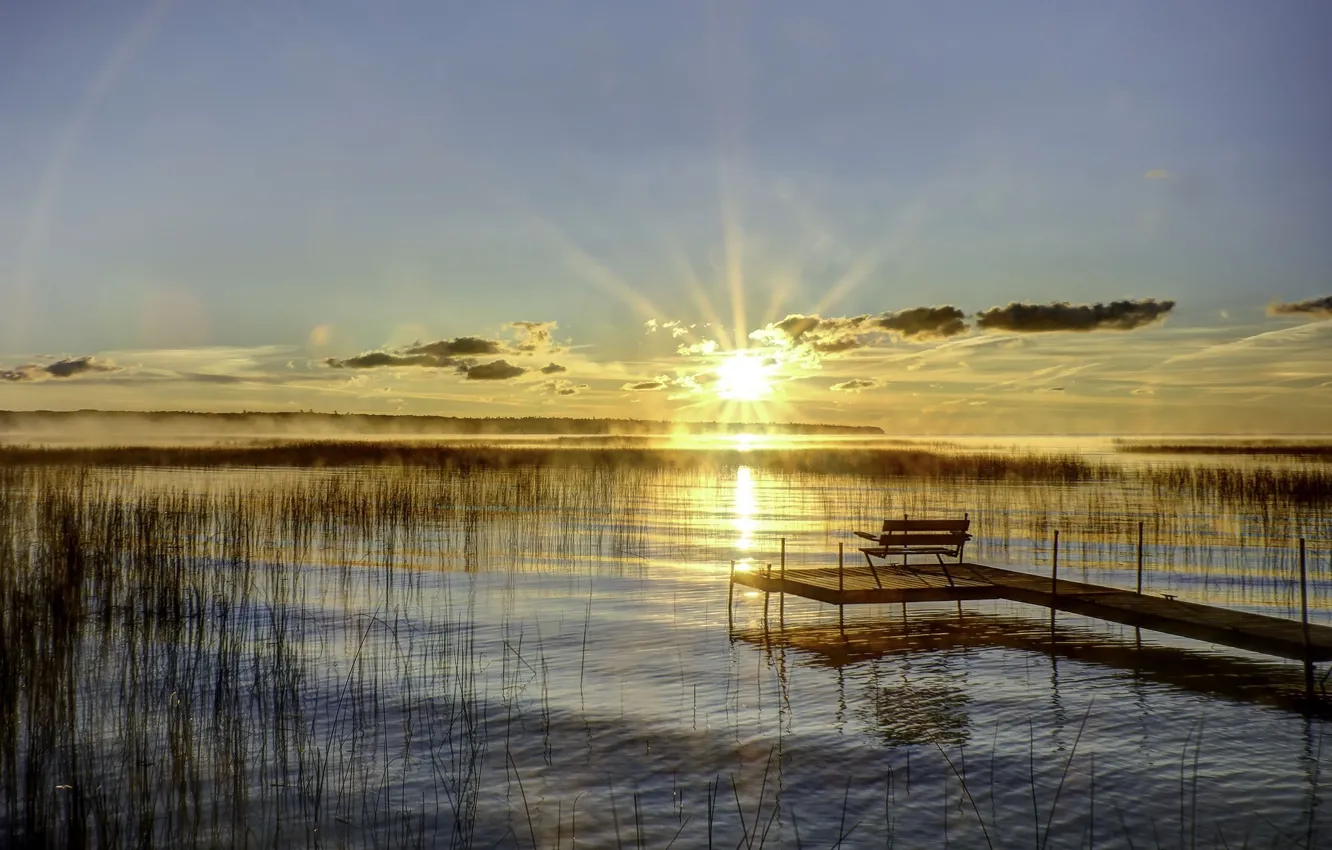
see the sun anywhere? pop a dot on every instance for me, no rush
(743, 377)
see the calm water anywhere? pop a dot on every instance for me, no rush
(504, 679)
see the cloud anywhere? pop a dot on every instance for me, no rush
(855, 385)
(1143, 391)
(943, 321)
(646, 386)
(1157, 174)
(705, 347)
(378, 359)
(819, 336)
(1061, 316)
(452, 353)
(497, 370)
(533, 336)
(560, 387)
(68, 367)
(1318, 307)
(463, 346)
(441, 354)
(696, 382)
(552, 368)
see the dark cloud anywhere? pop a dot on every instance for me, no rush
(552, 368)
(855, 385)
(72, 366)
(645, 386)
(1061, 316)
(496, 370)
(379, 359)
(441, 354)
(456, 353)
(69, 367)
(463, 346)
(1319, 307)
(925, 322)
(824, 335)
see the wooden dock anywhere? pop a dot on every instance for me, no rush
(859, 585)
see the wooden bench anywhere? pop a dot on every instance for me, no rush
(907, 537)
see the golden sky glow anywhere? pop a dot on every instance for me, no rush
(751, 218)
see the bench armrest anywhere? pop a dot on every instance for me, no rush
(868, 536)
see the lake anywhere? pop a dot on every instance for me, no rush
(543, 656)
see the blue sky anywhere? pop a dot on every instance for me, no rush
(248, 189)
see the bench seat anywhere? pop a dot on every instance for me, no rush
(906, 537)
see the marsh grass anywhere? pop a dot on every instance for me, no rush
(1293, 448)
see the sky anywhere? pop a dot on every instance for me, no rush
(934, 217)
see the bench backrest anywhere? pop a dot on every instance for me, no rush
(924, 532)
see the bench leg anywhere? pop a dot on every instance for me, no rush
(873, 571)
(944, 567)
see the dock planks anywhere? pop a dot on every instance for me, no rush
(928, 583)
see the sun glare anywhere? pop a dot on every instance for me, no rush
(743, 377)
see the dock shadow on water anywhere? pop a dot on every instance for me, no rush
(536, 653)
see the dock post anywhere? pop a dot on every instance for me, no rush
(781, 597)
(767, 596)
(1140, 557)
(1054, 571)
(730, 597)
(841, 586)
(1304, 622)
(1054, 589)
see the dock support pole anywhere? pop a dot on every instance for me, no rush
(1304, 622)
(730, 594)
(781, 597)
(1054, 571)
(1140, 557)
(767, 595)
(1054, 589)
(841, 587)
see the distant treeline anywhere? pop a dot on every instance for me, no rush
(294, 423)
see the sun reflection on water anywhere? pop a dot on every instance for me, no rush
(746, 505)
